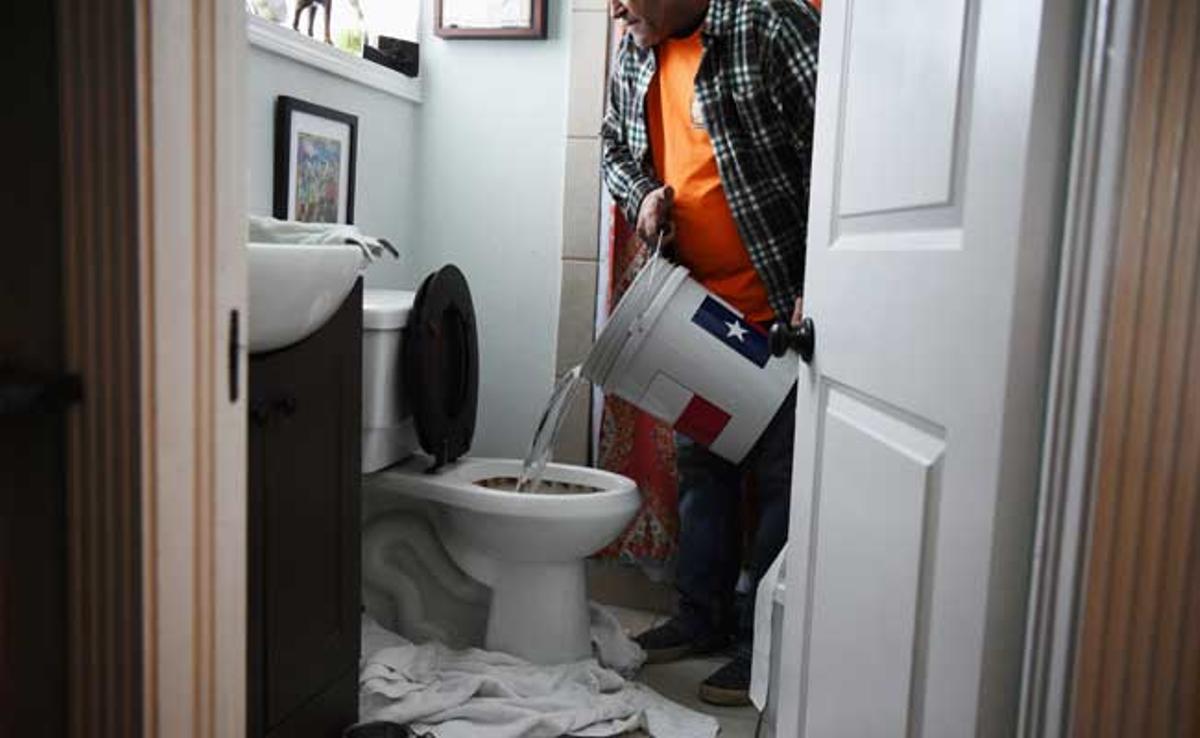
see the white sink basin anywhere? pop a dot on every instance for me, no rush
(295, 288)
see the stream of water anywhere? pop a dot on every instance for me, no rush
(548, 427)
(568, 384)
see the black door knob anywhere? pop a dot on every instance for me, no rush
(802, 339)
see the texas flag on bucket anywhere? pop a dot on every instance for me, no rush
(730, 329)
(700, 418)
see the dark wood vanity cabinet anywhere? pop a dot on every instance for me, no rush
(304, 502)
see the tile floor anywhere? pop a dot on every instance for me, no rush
(679, 681)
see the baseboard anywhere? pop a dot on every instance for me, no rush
(626, 585)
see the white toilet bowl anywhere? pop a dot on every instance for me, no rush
(420, 382)
(528, 548)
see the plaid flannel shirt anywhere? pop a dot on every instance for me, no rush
(756, 86)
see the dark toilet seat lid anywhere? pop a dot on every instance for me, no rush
(441, 365)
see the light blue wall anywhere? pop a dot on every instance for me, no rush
(385, 198)
(473, 176)
(493, 128)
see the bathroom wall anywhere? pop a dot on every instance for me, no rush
(385, 201)
(493, 123)
(472, 175)
(581, 264)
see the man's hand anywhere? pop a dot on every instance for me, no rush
(654, 215)
(798, 312)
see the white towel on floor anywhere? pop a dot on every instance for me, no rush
(611, 645)
(484, 694)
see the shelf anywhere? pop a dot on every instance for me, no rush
(285, 42)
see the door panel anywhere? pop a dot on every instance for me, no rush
(304, 486)
(902, 83)
(877, 511)
(305, 531)
(256, 630)
(937, 185)
(33, 514)
(33, 526)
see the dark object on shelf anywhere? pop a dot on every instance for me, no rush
(304, 484)
(802, 339)
(377, 730)
(316, 152)
(393, 53)
(536, 29)
(311, 7)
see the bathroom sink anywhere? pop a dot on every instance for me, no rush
(295, 288)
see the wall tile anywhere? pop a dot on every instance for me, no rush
(581, 199)
(589, 47)
(573, 445)
(615, 583)
(576, 314)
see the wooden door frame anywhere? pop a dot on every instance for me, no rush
(1138, 645)
(1073, 403)
(190, 64)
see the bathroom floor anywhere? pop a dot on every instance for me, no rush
(680, 681)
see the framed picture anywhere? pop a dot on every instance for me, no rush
(490, 18)
(315, 152)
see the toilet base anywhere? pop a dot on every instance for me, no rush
(539, 612)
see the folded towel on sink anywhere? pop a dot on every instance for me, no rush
(444, 693)
(273, 230)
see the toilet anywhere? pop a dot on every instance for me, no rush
(450, 551)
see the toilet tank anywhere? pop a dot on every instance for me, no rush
(388, 435)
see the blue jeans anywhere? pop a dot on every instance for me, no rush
(710, 529)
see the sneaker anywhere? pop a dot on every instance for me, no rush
(671, 642)
(729, 686)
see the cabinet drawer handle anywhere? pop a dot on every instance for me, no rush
(286, 406)
(259, 413)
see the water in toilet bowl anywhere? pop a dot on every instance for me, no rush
(547, 486)
(542, 445)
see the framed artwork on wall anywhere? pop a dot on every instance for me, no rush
(315, 154)
(490, 18)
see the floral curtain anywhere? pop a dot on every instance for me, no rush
(631, 442)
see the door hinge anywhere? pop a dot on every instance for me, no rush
(235, 353)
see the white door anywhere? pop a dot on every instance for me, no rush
(937, 190)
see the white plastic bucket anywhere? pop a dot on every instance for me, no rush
(690, 359)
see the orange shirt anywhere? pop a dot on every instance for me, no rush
(706, 235)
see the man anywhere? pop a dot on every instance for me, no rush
(707, 142)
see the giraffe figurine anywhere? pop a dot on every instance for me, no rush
(311, 7)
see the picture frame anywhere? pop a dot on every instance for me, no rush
(316, 153)
(494, 19)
